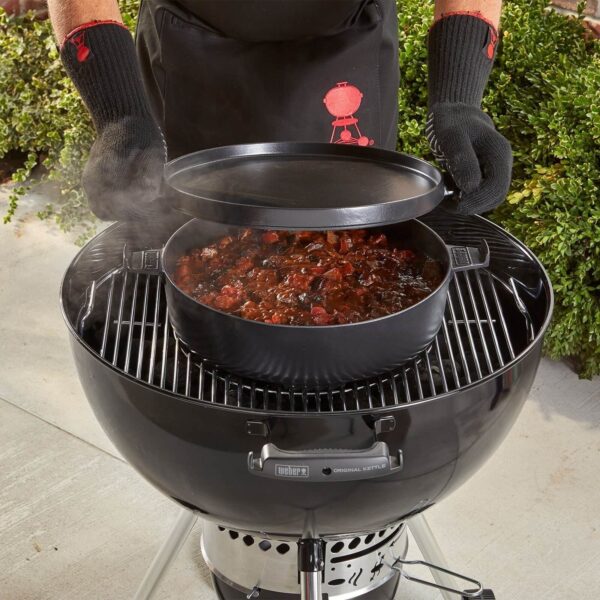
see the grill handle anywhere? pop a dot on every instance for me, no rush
(325, 465)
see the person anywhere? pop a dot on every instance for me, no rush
(209, 73)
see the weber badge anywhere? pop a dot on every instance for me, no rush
(292, 471)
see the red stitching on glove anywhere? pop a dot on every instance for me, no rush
(491, 47)
(87, 26)
(468, 13)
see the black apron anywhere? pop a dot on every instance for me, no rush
(228, 72)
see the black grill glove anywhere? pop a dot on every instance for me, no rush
(124, 172)
(462, 137)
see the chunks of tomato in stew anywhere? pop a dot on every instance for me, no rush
(307, 277)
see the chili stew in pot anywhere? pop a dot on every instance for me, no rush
(307, 277)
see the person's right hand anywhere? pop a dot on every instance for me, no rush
(123, 176)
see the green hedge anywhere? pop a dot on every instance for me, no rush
(544, 96)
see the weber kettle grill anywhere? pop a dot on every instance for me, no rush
(306, 492)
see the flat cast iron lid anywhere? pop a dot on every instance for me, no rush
(294, 185)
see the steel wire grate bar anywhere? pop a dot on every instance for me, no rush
(127, 323)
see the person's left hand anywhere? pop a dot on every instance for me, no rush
(479, 159)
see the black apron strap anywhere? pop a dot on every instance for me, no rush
(211, 90)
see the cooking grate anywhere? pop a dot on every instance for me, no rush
(125, 320)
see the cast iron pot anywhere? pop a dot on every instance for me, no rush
(307, 356)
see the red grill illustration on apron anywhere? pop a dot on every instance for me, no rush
(342, 101)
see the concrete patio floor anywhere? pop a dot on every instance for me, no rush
(76, 522)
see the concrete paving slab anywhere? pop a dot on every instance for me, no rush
(36, 371)
(77, 523)
(530, 516)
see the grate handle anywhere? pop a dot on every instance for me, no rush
(467, 258)
(326, 464)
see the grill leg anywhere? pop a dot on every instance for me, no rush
(166, 555)
(432, 553)
(310, 566)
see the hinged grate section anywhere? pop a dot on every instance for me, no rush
(125, 320)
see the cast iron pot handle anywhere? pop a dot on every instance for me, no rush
(466, 258)
(325, 465)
